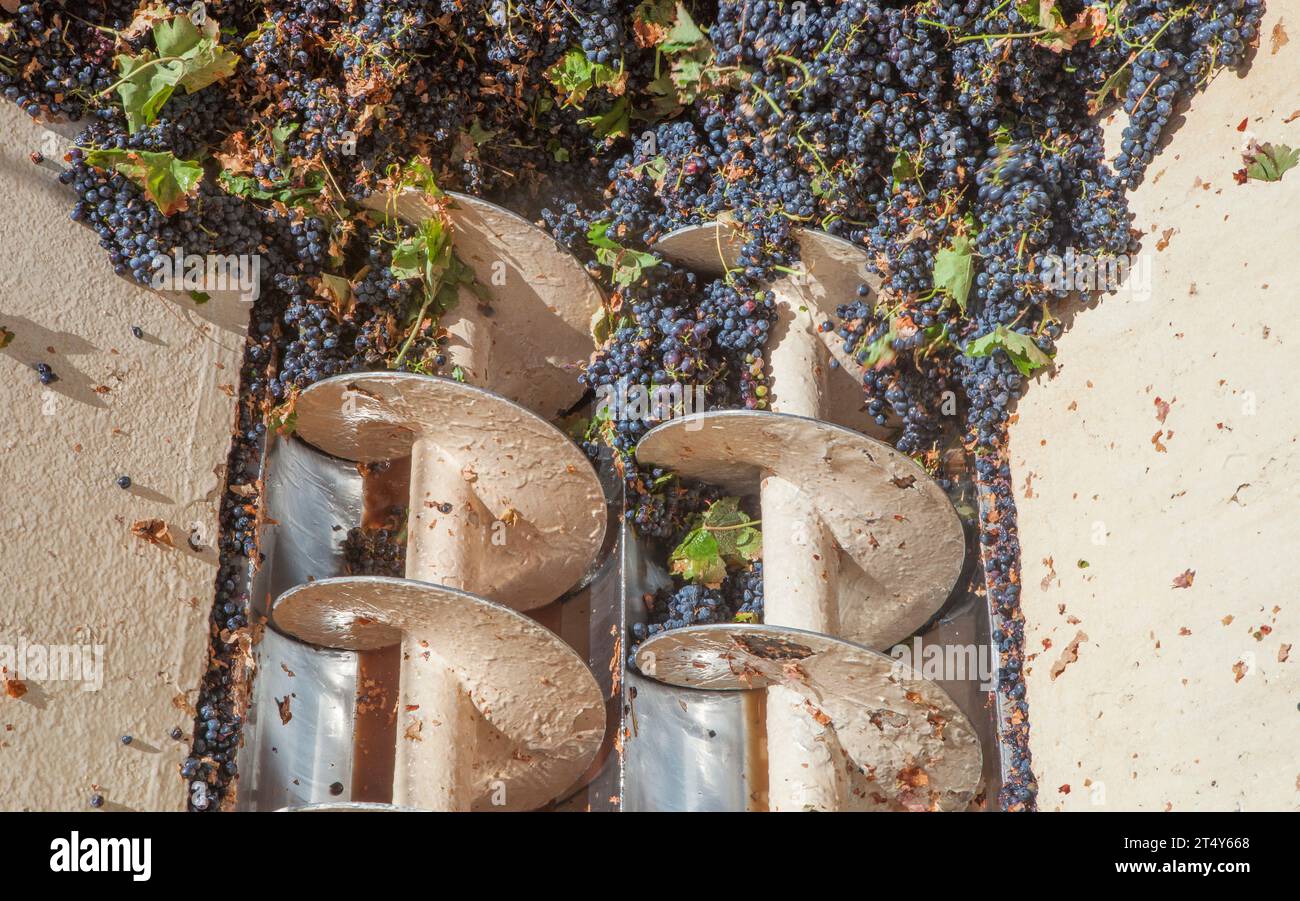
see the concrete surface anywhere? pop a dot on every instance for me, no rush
(159, 410)
(1143, 695)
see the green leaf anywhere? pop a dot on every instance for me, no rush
(904, 169)
(626, 265)
(723, 536)
(428, 255)
(613, 123)
(5, 337)
(193, 61)
(145, 87)
(880, 352)
(601, 326)
(574, 76)
(598, 236)
(424, 254)
(284, 418)
(416, 174)
(1271, 161)
(749, 544)
(480, 135)
(206, 64)
(341, 288)
(954, 270)
(651, 18)
(203, 60)
(656, 168)
(280, 135)
(175, 36)
(684, 34)
(283, 191)
(167, 181)
(200, 297)
(1021, 349)
(407, 261)
(697, 559)
(1034, 11)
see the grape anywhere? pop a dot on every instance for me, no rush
(374, 552)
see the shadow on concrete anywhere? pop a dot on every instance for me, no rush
(34, 343)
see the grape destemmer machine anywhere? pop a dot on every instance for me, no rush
(495, 674)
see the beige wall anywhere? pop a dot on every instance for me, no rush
(71, 573)
(1179, 698)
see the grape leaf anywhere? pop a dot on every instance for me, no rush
(283, 191)
(693, 69)
(697, 559)
(1020, 349)
(167, 181)
(185, 58)
(1059, 36)
(627, 264)
(341, 289)
(145, 86)
(574, 76)
(427, 253)
(284, 419)
(684, 34)
(613, 123)
(954, 270)
(480, 135)
(903, 168)
(722, 536)
(175, 36)
(880, 352)
(749, 544)
(430, 256)
(203, 60)
(280, 135)
(1271, 161)
(651, 22)
(416, 173)
(655, 167)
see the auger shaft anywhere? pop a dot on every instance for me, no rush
(469, 334)
(800, 574)
(437, 735)
(446, 530)
(482, 431)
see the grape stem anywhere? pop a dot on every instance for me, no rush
(124, 79)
